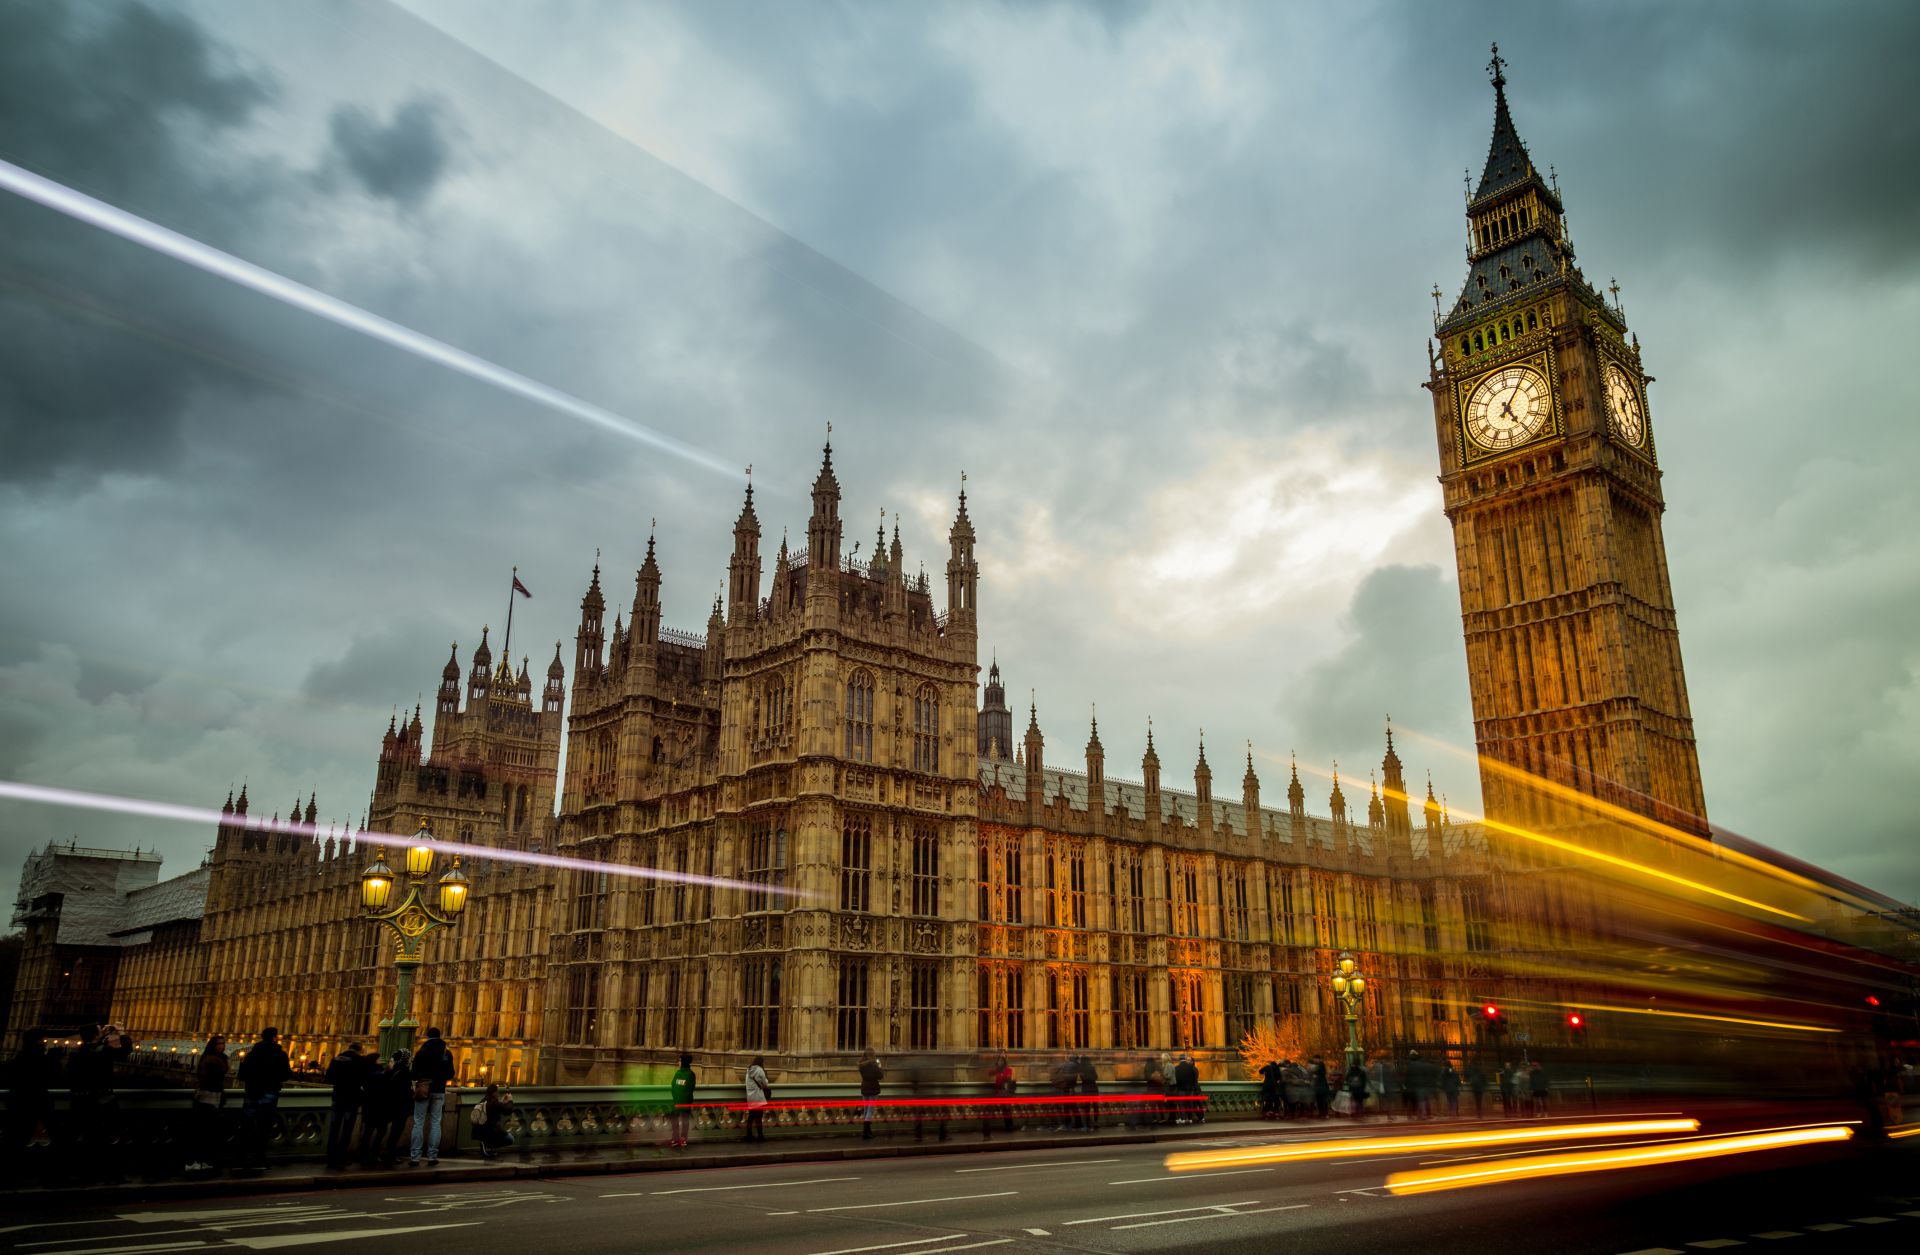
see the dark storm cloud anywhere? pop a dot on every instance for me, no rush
(1403, 659)
(387, 664)
(401, 160)
(117, 101)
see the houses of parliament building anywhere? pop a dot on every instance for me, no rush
(846, 843)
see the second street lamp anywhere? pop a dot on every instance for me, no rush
(419, 912)
(1348, 986)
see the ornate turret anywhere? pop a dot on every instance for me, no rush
(1150, 777)
(588, 660)
(1203, 790)
(963, 573)
(1096, 777)
(1035, 760)
(823, 527)
(1250, 798)
(1337, 806)
(743, 570)
(1296, 805)
(556, 688)
(480, 677)
(996, 721)
(448, 699)
(1399, 823)
(646, 601)
(1431, 814)
(1376, 814)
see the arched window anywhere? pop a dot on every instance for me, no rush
(860, 717)
(1533, 320)
(1466, 346)
(926, 730)
(1476, 342)
(776, 707)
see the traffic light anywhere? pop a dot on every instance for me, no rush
(1576, 1023)
(1491, 1012)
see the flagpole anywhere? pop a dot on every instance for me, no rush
(506, 646)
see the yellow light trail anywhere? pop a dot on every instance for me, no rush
(1716, 1019)
(1430, 1180)
(1349, 1147)
(1910, 1131)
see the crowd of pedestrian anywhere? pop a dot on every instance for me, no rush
(378, 1108)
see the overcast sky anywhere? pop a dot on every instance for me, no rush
(1155, 276)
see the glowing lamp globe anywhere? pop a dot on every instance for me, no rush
(376, 884)
(453, 891)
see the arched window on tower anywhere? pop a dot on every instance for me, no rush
(860, 717)
(926, 730)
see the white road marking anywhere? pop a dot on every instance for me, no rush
(1218, 1215)
(714, 1189)
(283, 1209)
(941, 1250)
(1039, 1233)
(268, 1242)
(1021, 1167)
(1873, 1220)
(1774, 1235)
(1826, 1228)
(1192, 1176)
(1657, 1250)
(888, 1246)
(1164, 1211)
(911, 1202)
(1714, 1244)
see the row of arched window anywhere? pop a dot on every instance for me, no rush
(860, 720)
(1500, 333)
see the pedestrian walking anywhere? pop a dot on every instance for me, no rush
(210, 1072)
(1357, 1086)
(759, 1094)
(1156, 1090)
(1270, 1074)
(1477, 1085)
(1322, 1090)
(920, 1084)
(433, 1068)
(681, 1088)
(1450, 1088)
(1089, 1091)
(1001, 1083)
(1540, 1088)
(1422, 1078)
(31, 1077)
(347, 1074)
(263, 1072)
(91, 1105)
(388, 1104)
(1186, 1083)
(1507, 1099)
(870, 1074)
(490, 1122)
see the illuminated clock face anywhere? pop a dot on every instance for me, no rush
(1623, 402)
(1508, 408)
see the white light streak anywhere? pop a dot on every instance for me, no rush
(96, 213)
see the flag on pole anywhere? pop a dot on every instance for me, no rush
(520, 588)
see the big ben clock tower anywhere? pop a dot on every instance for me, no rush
(1551, 481)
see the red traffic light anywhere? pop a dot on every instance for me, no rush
(1575, 1020)
(1873, 1000)
(1490, 1011)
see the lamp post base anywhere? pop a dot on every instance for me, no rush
(396, 1037)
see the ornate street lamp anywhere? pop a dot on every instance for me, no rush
(1348, 985)
(418, 913)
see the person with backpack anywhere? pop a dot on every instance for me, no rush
(432, 1069)
(490, 1122)
(263, 1072)
(680, 1120)
(759, 1094)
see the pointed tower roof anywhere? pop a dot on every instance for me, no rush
(826, 481)
(228, 808)
(555, 670)
(1093, 739)
(451, 672)
(1337, 800)
(1296, 796)
(1508, 165)
(483, 653)
(1251, 777)
(748, 523)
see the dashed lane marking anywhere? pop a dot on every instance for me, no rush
(1827, 1228)
(1039, 1233)
(715, 1189)
(1873, 1220)
(889, 1246)
(1192, 1176)
(1774, 1235)
(1714, 1244)
(1165, 1211)
(1218, 1215)
(1022, 1167)
(912, 1202)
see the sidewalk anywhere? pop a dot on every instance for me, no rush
(511, 1166)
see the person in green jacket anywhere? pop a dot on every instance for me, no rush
(682, 1116)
